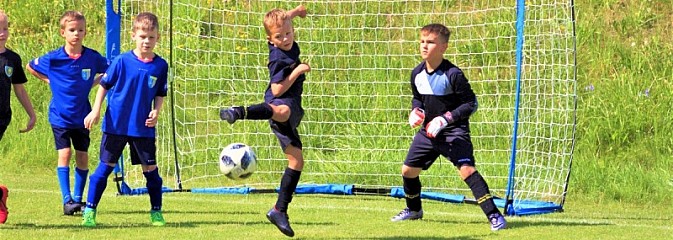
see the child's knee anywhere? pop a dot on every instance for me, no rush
(281, 113)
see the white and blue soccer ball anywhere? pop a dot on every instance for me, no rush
(237, 161)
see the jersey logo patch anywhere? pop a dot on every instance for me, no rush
(152, 81)
(86, 74)
(9, 71)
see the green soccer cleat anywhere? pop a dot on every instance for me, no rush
(157, 218)
(89, 217)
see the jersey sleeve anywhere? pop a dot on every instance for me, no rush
(466, 96)
(19, 76)
(279, 68)
(417, 99)
(162, 91)
(101, 64)
(41, 64)
(112, 74)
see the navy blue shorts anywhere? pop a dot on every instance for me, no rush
(286, 132)
(424, 151)
(79, 137)
(143, 149)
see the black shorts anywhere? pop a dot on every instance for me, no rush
(79, 137)
(424, 150)
(143, 149)
(286, 132)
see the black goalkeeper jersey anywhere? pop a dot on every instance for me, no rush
(444, 90)
(11, 72)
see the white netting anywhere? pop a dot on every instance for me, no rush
(357, 96)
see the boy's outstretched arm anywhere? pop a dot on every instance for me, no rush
(37, 74)
(298, 11)
(278, 89)
(93, 117)
(153, 118)
(22, 95)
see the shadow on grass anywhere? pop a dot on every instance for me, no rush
(169, 224)
(471, 237)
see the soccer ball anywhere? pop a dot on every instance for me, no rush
(237, 161)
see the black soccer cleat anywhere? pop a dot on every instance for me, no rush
(228, 114)
(280, 219)
(71, 207)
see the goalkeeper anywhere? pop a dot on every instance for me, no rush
(442, 104)
(281, 106)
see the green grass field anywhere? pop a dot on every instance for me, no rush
(35, 214)
(621, 185)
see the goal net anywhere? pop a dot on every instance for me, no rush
(519, 59)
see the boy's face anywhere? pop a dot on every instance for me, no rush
(145, 40)
(4, 30)
(282, 36)
(432, 47)
(74, 32)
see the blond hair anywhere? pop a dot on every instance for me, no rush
(146, 21)
(70, 16)
(275, 18)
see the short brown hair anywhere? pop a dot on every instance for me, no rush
(146, 21)
(274, 18)
(70, 16)
(442, 31)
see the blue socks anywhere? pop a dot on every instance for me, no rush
(80, 182)
(154, 183)
(63, 174)
(97, 184)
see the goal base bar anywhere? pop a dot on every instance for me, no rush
(519, 208)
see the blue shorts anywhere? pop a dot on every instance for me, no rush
(79, 137)
(286, 132)
(424, 151)
(143, 149)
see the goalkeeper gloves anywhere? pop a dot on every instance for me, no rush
(416, 117)
(437, 124)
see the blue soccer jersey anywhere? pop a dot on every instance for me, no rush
(70, 81)
(443, 90)
(281, 64)
(132, 85)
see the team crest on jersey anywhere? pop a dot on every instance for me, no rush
(152, 81)
(86, 74)
(9, 71)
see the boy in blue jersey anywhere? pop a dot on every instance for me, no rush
(11, 75)
(281, 106)
(442, 104)
(71, 71)
(135, 85)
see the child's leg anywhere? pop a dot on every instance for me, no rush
(279, 113)
(290, 179)
(98, 183)
(63, 173)
(479, 188)
(81, 174)
(412, 187)
(154, 183)
(260, 111)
